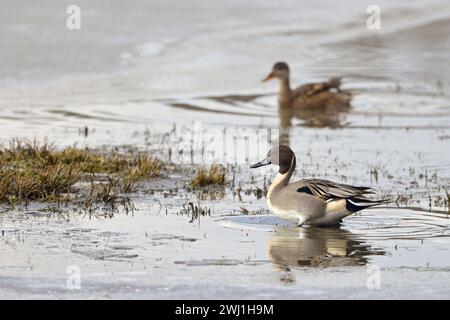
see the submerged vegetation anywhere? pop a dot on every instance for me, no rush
(213, 176)
(195, 211)
(32, 171)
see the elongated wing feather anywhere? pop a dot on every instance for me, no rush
(326, 189)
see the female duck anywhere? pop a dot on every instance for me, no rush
(311, 201)
(311, 95)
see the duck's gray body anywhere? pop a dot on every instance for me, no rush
(312, 201)
(294, 202)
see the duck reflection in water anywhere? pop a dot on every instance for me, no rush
(317, 247)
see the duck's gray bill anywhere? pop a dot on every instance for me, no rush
(265, 162)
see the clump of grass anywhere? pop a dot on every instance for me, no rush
(37, 171)
(215, 175)
(24, 154)
(141, 168)
(33, 183)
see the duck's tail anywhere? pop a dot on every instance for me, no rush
(335, 82)
(358, 203)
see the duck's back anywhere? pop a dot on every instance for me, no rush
(322, 100)
(320, 95)
(311, 89)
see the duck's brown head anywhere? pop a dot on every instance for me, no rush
(281, 156)
(280, 70)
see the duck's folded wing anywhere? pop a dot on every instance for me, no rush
(326, 189)
(311, 89)
(331, 192)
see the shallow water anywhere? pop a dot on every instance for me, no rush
(149, 84)
(385, 237)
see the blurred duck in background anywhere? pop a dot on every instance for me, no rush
(312, 96)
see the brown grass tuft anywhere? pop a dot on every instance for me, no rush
(37, 171)
(215, 175)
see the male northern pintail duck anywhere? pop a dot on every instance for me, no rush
(311, 95)
(311, 201)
